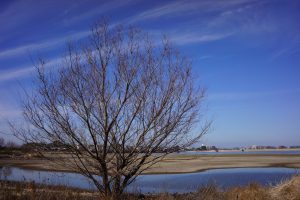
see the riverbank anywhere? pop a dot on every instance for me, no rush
(196, 163)
(288, 189)
(256, 150)
(178, 163)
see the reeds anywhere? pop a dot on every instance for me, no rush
(32, 191)
(286, 190)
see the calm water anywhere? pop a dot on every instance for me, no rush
(277, 152)
(162, 182)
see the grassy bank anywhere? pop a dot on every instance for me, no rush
(287, 190)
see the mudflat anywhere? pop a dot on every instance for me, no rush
(177, 163)
(194, 163)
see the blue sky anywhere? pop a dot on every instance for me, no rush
(245, 52)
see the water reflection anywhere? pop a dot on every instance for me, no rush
(5, 172)
(161, 182)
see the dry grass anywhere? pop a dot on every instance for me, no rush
(287, 190)
(32, 191)
(252, 191)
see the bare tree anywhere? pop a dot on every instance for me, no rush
(2, 142)
(119, 104)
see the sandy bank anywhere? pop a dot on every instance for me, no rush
(182, 163)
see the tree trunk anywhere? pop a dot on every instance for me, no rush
(116, 192)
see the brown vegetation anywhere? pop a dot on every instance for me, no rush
(287, 190)
(22, 191)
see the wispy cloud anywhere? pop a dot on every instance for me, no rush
(186, 7)
(8, 111)
(21, 13)
(204, 57)
(25, 71)
(51, 43)
(286, 51)
(226, 18)
(13, 74)
(251, 95)
(100, 10)
(197, 37)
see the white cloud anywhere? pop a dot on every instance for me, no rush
(196, 37)
(97, 11)
(7, 113)
(188, 7)
(204, 57)
(13, 74)
(228, 17)
(54, 42)
(250, 95)
(6, 75)
(289, 49)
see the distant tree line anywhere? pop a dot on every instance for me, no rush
(59, 146)
(8, 144)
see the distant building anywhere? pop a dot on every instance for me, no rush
(213, 148)
(202, 148)
(270, 147)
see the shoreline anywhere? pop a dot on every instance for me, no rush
(150, 173)
(245, 150)
(187, 163)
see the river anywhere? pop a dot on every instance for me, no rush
(180, 183)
